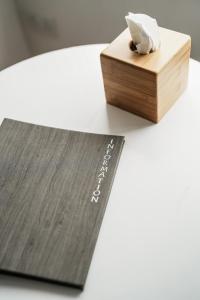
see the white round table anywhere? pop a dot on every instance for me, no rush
(149, 242)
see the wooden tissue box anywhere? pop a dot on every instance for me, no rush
(146, 85)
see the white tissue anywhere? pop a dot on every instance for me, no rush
(144, 31)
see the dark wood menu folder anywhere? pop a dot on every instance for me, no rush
(54, 187)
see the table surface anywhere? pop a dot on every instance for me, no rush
(149, 242)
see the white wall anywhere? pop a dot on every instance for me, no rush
(13, 47)
(53, 24)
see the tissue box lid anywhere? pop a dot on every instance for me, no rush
(171, 43)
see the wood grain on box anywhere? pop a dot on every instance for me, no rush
(146, 85)
(48, 223)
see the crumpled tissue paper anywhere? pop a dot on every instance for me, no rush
(144, 31)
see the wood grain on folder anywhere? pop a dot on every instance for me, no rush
(49, 221)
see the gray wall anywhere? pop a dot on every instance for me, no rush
(30, 27)
(52, 24)
(13, 47)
